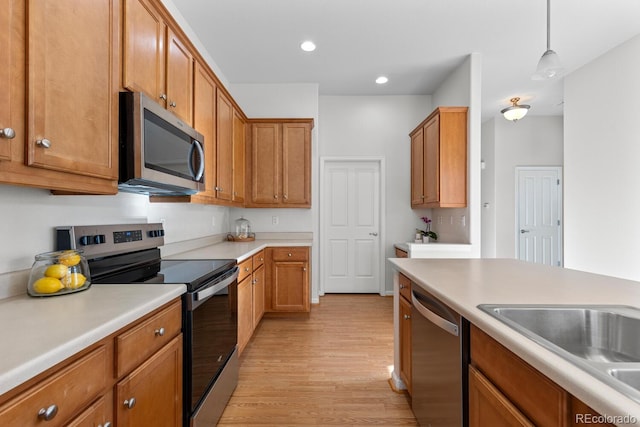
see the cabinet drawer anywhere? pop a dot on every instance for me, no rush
(141, 341)
(405, 286)
(69, 390)
(258, 260)
(508, 373)
(290, 254)
(401, 254)
(245, 269)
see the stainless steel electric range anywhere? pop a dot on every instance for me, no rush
(129, 253)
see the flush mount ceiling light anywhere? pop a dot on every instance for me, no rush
(515, 112)
(308, 46)
(382, 80)
(549, 66)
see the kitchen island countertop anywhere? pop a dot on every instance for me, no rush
(464, 283)
(38, 333)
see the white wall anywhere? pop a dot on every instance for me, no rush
(601, 155)
(379, 126)
(532, 141)
(28, 218)
(463, 88)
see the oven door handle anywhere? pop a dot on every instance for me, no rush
(216, 287)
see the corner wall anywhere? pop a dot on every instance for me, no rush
(601, 153)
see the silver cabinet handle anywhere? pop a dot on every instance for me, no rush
(246, 269)
(275, 196)
(304, 268)
(285, 196)
(401, 286)
(43, 143)
(7, 133)
(49, 413)
(524, 231)
(159, 332)
(407, 317)
(373, 234)
(172, 104)
(289, 254)
(107, 424)
(130, 403)
(163, 96)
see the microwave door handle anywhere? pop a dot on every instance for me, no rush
(196, 146)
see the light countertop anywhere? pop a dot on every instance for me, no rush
(38, 333)
(464, 283)
(237, 250)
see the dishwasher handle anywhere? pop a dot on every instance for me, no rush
(434, 318)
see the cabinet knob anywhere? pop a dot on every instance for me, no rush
(159, 332)
(275, 196)
(7, 133)
(49, 413)
(130, 403)
(407, 317)
(172, 104)
(304, 268)
(107, 424)
(163, 96)
(285, 196)
(401, 286)
(43, 143)
(246, 269)
(289, 254)
(422, 197)
(261, 259)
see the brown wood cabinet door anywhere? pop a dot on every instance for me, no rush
(265, 163)
(6, 46)
(258, 295)
(179, 78)
(290, 286)
(238, 158)
(405, 342)
(431, 182)
(73, 64)
(417, 168)
(296, 164)
(489, 407)
(204, 110)
(156, 387)
(98, 414)
(144, 58)
(245, 312)
(224, 142)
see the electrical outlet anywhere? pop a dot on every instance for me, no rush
(440, 219)
(463, 221)
(275, 220)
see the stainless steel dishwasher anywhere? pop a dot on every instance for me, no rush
(439, 359)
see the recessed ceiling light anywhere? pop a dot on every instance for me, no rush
(308, 46)
(382, 80)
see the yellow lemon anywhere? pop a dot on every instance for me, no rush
(69, 259)
(74, 280)
(47, 285)
(56, 270)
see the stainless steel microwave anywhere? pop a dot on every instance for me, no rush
(159, 153)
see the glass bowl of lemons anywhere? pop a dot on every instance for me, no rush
(59, 273)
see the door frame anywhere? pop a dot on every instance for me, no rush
(381, 215)
(559, 171)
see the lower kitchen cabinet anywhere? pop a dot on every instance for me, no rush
(504, 390)
(80, 391)
(250, 297)
(405, 330)
(288, 279)
(152, 393)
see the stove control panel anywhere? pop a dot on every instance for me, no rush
(104, 240)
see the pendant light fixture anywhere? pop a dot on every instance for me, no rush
(515, 112)
(549, 66)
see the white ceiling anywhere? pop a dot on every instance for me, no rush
(416, 43)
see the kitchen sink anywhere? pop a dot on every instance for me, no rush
(604, 340)
(605, 334)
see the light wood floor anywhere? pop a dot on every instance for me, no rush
(329, 369)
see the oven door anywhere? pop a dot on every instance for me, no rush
(211, 335)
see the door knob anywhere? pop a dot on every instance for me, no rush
(373, 234)
(522, 231)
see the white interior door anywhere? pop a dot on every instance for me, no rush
(350, 215)
(538, 215)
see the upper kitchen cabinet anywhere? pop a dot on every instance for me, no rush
(439, 160)
(224, 142)
(59, 108)
(239, 126)
(156, 60)
(280, 163)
